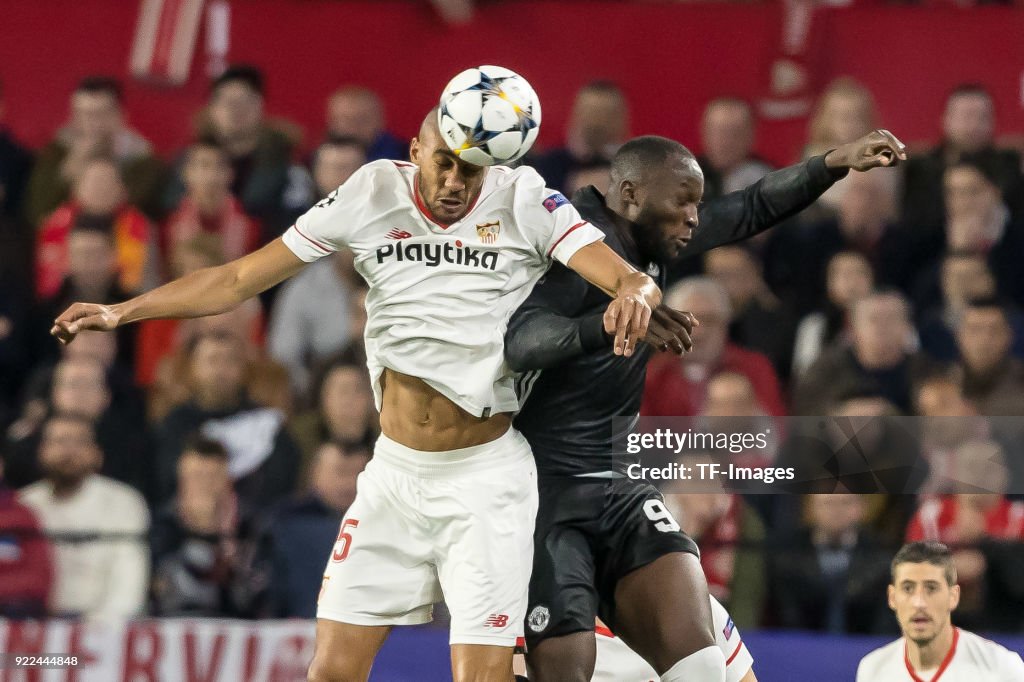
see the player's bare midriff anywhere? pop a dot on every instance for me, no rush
(417, 416)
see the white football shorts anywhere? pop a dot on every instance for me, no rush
(427, 526)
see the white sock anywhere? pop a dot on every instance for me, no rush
(706, 665)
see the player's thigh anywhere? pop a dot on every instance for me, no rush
(653, 590)
(663, 610)
(563, 598)
(481, 663)
(566, 658)
(345, 652)
(483, 544)
(380, 571)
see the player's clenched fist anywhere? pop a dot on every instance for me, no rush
(877, 149)
(82, 317)
(629, 314)
(671, 330)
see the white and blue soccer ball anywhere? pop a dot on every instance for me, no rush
(489, 115)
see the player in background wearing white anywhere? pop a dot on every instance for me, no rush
(923, 594)
(616, 662)
(448, 502)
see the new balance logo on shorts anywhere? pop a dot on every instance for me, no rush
(496, 620)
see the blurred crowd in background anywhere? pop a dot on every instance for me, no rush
(202, 467)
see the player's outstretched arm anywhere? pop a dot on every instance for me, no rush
(209, 291)
(783, 193)
(635, 294)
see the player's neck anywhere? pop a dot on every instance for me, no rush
(929, 657)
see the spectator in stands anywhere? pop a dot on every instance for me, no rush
(968, 127)
(302, 531)
(197, 538)
(598, 125)
(732, 406)
(344, 411)
(99, 196)
(92, 272)
(827, 574)
(263, 460)
(311, 318)
(730, 535)
(334, 161)
(864, 448)
(96, 128)
(977, 221)
(881, 357)
(80, 385)
(986, 532)
(797, 258)
(208, 206)
(993, 380)
(262, 177)
(678, 386)
(844, 112)
(964, 276)
(106, 574)
(848, 278)
(159, 341)
(759, 321)
(356, 112)
(26, 559)
(949, 421)
(727, 138)
(731, 394)
(92, 275)
(15, 166)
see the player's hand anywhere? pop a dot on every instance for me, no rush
(877, 149)
(629, 313)
(671, 330)
(82, 317)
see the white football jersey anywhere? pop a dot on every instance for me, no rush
(970, 659)
(440, 296)
(616, 662)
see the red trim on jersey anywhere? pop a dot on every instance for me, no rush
(602, 630)
(566, 234)
(735, 653)
(942, 668)
(418, 200)
(404, 163)
(311, 241)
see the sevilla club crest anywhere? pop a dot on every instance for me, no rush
(488, 232)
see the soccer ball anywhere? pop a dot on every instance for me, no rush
(489, 115)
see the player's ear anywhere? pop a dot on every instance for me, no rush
(628, 193)
(954, 597)
(414, 150)
(891, 591)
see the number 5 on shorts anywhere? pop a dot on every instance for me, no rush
(662, 517)
(345, 537)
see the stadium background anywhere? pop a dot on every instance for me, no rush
(670, 60)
